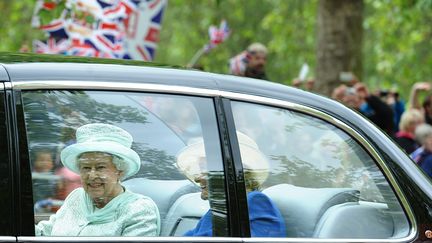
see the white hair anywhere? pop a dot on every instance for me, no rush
(119, 163)
(422, 132)
(257, 48)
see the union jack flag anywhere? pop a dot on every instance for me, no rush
(51, 46)
(238, 64)
(217, 35)
(87, 49)
(143, 34)
(120, 29)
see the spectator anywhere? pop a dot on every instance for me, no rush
(375, 109)
(250, 63)
(423, 155)
(427, 109)
(296, 83)
(398, 106)
(426, 105)
(391, 98)
(68, 182)
(371, 106)
(44, 180)
(350, 98)
(405, 137)
(309, 85)
(339, 92)
(24, 48)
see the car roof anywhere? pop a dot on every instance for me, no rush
(24, 67)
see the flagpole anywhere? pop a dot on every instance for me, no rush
(196, 57)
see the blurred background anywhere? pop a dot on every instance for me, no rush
(385, 43)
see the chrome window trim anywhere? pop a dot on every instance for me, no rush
(7, 85)
(123, 86)
(321, 240)
(126, 239)
(186, 239)
(176, 89)
(8, 238)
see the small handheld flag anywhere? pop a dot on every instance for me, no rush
(217, 36)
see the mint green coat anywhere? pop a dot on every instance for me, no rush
(128, 214)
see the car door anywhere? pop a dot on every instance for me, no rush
(323, 181)
(8, 216)
(165, 126)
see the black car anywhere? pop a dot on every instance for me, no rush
(331, 174)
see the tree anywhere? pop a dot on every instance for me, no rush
(339, 37)
(15, 24)
(397, 49)
(286, 27)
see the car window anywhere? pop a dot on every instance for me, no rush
(313, 181)
(175, 137)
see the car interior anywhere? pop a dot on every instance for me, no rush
(330, 211)
(308, 212)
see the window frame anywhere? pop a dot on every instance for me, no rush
(8, 209)
(373, 153)
(108, 86)
(228, 143)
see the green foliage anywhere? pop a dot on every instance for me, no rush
(52, 115)
(52, 119)
(397, 43)
(286, 27)
(156, 164)
(15, 24)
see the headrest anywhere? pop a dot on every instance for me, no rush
(163, 192)
(302, 207)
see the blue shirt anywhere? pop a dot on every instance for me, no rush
(423, 159)
(265, 219)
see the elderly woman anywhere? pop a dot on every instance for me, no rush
(405, 137)
(423, 155)
(102, 207)
(265, 218)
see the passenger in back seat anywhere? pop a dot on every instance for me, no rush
(265, 218)
(102, 206)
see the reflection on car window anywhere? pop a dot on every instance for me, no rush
(319, 177)
(161, 126)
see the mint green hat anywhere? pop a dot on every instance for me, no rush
(99, 137)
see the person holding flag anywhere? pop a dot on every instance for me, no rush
(251, 62)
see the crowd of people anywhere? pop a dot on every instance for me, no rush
(409, 124)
